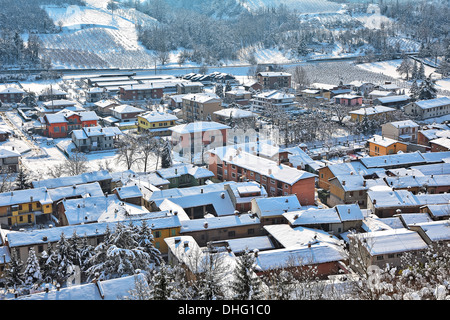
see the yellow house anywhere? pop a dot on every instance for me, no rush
(165, 226)
(21, 207)
(381, 146)
(157, 123)
(376, 112)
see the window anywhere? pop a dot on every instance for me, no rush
(157, 234)
(390, 256)
(173, 232)
(251, 231)
(231, 233)
(380, 257)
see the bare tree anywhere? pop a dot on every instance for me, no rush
(76, 164)
(127, 148)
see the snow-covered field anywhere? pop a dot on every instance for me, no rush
(388, 68)
(94, 37)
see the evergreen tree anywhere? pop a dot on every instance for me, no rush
(64, 264)
(119, 256)
(414, 90)
(22, 180)
(32, 275)
(427, 89)
(75, 245)
(161, 283)
(228, 86)
(48, 264)
(246, 284)
(415, 71)
(219, 90)
(166, 155)
(421, 72)
(85, 254)
(99, 257)
(13, 271)
(145, 241)
(367, 125)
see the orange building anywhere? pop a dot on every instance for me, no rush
(230, 164)
(382, 146)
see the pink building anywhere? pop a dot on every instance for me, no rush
(348, 99)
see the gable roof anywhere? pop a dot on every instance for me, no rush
(433, 103)
(391, 241)
(264, 167)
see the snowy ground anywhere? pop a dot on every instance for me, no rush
(389, 67)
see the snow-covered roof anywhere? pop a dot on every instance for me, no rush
(275, 95)
(274, 74)
(234, 113)
(83, 190)
(264, 167)
(418, 181)
(276, 206)
(105, 103)
(59, 103)
(390, 198)
(352, 182)
(404, 124)
(414, 218)
(397, 159)
(113, 289)
(126, 108)
(316, 254)
(130, 191)
(394, 98)
(183, 169)
(25, 196)
(106, 212)
(155, 116)
(349, 212)
(436, 157)
(56, 118)
(229, 221)
(198, 126)
(436, 230)
(382, 141)
(5, 153)
(71, 180)
(87, 132)
(433, 103)
(204, 97)
(439, 210)
(381, 93)
(372, 110)
(347, 96)
(249, 243)
(391, 241)
(352, 167)
(443, 142)
(431, 134)
(312, 217)
(325, 86)
(10, 90)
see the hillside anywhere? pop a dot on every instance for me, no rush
(302, 6)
